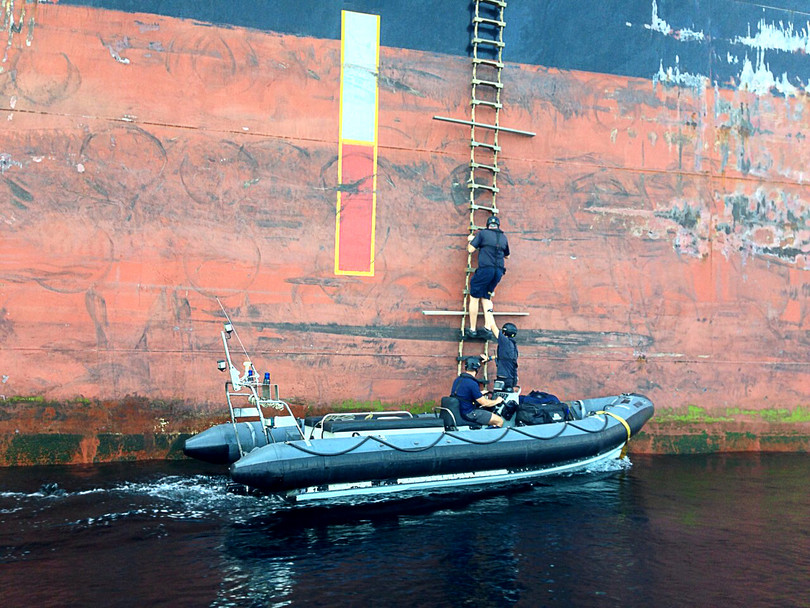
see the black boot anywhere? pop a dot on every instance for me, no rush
(485, 334)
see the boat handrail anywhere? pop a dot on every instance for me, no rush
(238, 414)
(254, 410)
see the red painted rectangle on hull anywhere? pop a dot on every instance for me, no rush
(356, 208)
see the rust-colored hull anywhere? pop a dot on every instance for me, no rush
(153, 164)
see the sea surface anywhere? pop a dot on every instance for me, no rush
(649, 531)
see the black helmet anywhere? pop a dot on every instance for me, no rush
(493, 220)
(472, 364)
(509, 329)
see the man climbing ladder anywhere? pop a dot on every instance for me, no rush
(493, 247)
(487, 44)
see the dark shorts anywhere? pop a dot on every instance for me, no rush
(484, 281)
(479, 416)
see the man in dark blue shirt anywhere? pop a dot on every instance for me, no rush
(506, 359)
(493, 249)
(471, 400)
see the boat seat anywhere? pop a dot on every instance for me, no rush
(312, 421)
(451, 416)
(381, 424)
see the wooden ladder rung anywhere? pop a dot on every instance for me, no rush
(476, 186)
(491, 62)
(481, 144)
(493, 210)
(489, 21)
(498, 43)
(484, 102)
(474, 165)
(487, 83)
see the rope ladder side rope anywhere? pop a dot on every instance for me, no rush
(485, 104)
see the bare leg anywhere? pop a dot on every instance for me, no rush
(489, 318)
(473, 312)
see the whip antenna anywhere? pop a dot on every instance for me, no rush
(236, 333)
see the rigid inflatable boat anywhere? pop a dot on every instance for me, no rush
(350, 454)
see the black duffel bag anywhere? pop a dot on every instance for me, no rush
(541, 408)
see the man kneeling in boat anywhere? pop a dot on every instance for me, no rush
(472, 402)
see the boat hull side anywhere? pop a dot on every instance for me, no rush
(281, 467)
(219, 445)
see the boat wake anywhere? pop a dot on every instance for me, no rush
(209, 497)
(606, 466)
(173, 497)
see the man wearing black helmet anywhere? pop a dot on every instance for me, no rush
(493, 248)
(507, 354)
(471, 400)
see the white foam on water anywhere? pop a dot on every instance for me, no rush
(200, 497)
(172, 497)
(611, 464)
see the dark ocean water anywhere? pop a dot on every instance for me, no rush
(719, 530)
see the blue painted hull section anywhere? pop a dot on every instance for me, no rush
(632, 38)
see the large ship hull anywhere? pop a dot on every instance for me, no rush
(156, 162)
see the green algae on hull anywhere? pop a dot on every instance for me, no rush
(698, 415)
(41, 448)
